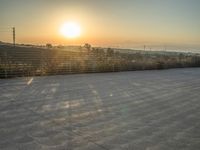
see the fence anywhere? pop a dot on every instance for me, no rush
(32, 61)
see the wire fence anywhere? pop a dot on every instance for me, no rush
(21, 60)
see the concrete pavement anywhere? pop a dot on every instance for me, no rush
(139, 110)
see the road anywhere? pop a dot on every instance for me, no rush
(139, 110)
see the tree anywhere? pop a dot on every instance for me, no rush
(48, 45)
(110, 52)
(88, 47)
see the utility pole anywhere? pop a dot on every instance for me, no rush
(13, 31)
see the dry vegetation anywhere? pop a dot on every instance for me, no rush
(31, 60)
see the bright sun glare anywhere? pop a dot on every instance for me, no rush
(70, 30)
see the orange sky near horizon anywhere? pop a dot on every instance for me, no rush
(104, 23)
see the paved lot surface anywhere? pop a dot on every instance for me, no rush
(141, 110)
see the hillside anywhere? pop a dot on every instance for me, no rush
(30, 60)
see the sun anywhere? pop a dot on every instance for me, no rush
(70, 30)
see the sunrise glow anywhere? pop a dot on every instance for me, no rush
(70, 30)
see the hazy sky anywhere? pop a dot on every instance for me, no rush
(104, 22)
